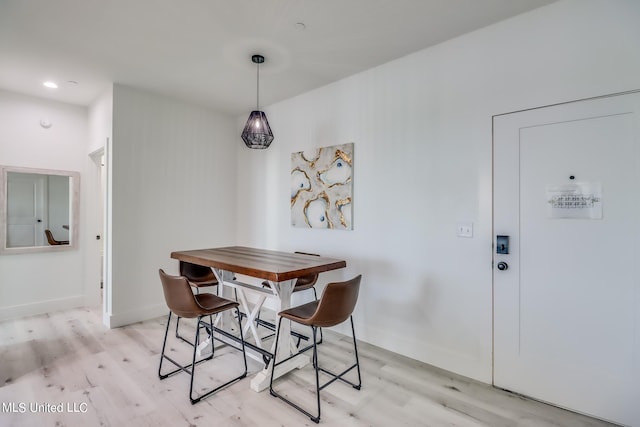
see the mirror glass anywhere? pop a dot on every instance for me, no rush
(38, 209)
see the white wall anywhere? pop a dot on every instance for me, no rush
(173, 171)
(422, 132)
(100, 120)
(39, 282)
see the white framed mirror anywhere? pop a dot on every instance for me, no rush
(39, 210)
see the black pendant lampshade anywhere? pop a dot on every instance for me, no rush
(257, 132)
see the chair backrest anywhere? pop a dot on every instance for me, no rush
(178, 295)
(310, 279)
(52, 241)
(50, 238)
(337, 303)
(196, 273)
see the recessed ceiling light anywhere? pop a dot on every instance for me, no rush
(300, 26)
(50, 85)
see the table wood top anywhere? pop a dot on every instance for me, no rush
(261, 263)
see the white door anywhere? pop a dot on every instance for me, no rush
(567, 308)
(26, 194)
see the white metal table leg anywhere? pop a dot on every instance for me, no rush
(226, 280)
(222, 275)
(286, 346)
(250, 324)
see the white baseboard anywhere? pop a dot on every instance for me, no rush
(41, 307)
(438, 356)
(138, 315)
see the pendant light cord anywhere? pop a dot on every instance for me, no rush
(258, 90)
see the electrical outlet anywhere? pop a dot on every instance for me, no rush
(464, 229)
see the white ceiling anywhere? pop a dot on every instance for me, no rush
(200, 50)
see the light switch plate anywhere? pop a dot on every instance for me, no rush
(464, 229)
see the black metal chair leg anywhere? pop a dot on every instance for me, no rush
(164, 344)
(196, 341)
(244, 355)
(190, 369)
(178, 332)
(210, 332)
(313, 418)
(317, 368)
(315, 295)
(355, 350)
(274, 359)
(163, 356)
(180, 337)
(258, 323)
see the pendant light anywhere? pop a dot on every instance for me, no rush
(257, 133)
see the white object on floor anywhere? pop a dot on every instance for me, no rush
(205, 348)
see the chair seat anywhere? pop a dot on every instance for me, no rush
(212, 304)
(302, 313)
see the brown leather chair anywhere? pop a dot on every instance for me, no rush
(183, 303)
(306, 282)
(335, 306)
(199, 276)
(52, 241)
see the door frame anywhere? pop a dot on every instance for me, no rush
(97, 236)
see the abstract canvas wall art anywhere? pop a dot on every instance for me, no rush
(322, 187)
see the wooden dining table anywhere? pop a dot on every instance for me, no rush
(280, 270)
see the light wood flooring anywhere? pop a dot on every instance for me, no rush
(68, 358)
